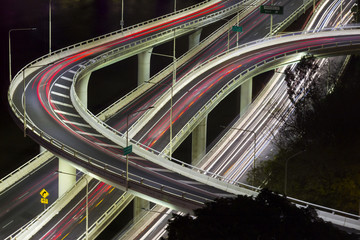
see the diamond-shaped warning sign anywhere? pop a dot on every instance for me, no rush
(44, 193)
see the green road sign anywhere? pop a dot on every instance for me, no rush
(237, 29)
(271, 9)
(127, 150)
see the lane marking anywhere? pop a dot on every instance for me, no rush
(8, 224)
(189, 182)
(159, 169)
(59, 94)
(77, 124)
(82, 219)
(72, 71)
(111, 190)
(61, 103)
(89, 134)
(66, 78)
(23, 195)
(65, 236)
(62, 86)
(99, 202)
(107, 145)
(67, 113)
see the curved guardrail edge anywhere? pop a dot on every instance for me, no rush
(286, 23)
(167, 70)
(111, 134)
(24, 169)
(49, 212)
(115, 32)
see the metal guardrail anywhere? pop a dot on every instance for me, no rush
(54, 142)
(48, 212)
(24, 169)
(182, 59)
(122, 202)
(101, 126)
(95, 39)
(94, 162)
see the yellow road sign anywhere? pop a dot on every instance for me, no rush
(45, 201)
(44, 193)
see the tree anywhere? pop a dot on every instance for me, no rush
(267, 216)
(324, 122)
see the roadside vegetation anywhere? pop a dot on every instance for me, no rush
(318, 158)
(267, 216)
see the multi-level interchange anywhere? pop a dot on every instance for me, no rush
(49, 99)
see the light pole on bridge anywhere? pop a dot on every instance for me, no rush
(49, 26)
(122, 15)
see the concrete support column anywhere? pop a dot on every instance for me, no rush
(194, 38)
(245, 95)
(199, 142)
(82, 91)
(66, 181)
(140, 205)
(144, 66)
(42, 149)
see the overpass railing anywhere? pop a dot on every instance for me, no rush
(66, 51)
(159, 158)
(24, 170)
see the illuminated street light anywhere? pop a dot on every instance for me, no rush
(49, 26)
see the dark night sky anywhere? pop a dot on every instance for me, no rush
(72, 22)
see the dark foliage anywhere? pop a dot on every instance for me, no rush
(268, 216)
(325, 124)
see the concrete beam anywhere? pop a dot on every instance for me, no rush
(199, 142)
(144, 66)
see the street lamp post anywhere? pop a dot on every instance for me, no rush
(87, 203)
(49, 26)
(127, 143)
(122, 15)
(12, 30)
(172, 85)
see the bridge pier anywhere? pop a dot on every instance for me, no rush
(140, 206)
(66, 181)
(245, 95)
(198, 148)
(144, 66)
(194, 38)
